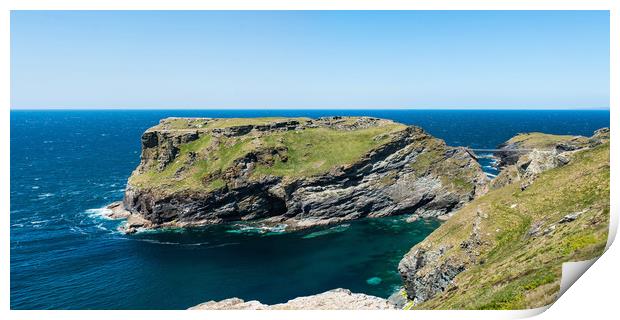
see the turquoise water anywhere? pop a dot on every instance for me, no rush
(65, 165)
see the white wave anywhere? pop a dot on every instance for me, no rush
(336, 229)
(196, 244)
(77, 230)
(244, 228)
(101, 227)
(158, 242)
(490, 175)
(99, 213)
(45, 195)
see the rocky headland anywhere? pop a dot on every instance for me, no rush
(505, 249)
(296, 172)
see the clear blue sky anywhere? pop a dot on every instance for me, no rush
(310, 59)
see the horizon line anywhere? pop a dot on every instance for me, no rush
(311, 108)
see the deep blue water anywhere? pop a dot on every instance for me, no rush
(67, 164)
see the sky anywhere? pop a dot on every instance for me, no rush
(309, 59)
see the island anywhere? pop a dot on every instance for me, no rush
(293, 173)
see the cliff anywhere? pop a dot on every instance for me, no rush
(298, 172)
(504, 250)
(523, 157)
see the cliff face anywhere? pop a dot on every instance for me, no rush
(294, 171)
(504, 250)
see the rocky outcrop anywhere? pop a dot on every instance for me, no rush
(504, 250)
(428, 270)
(337, 299)
(526, 156)
(406, 171)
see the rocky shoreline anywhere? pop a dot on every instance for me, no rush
(337, 299)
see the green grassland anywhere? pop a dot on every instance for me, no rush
(513, 269)
(538, 140)
(316, 151)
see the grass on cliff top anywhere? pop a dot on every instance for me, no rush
(512, 270)
(538, 140)
(218, 123)
(309, 152)
(315, 151)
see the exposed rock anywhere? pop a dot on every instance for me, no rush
(398, 298)
(425, 273)
(116, 210)
(536, 229)
(231, 304)
(134, 223)
(337, 299)
(533, 164)
(549, 230)
(600, 136)
(410, 172)
(524, 157)
(571, 217)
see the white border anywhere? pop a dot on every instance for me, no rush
(594, 295)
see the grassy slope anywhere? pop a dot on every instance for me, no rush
(315, 151)
(537, 140)
(310, 152)
(514, 271)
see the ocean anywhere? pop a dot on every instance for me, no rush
(67, 165)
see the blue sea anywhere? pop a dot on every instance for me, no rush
(67, 165)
